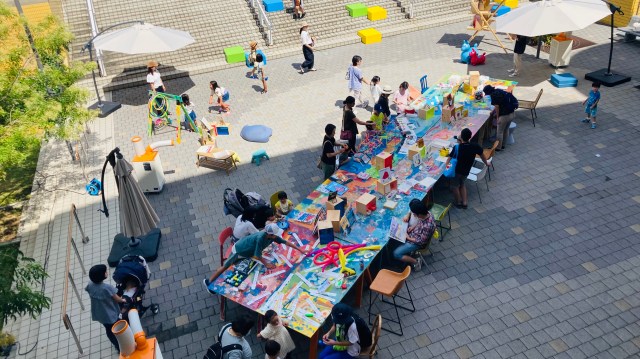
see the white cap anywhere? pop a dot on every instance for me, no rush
(273, 228)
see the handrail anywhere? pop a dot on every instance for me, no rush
(264, 20)
(71, 243)
(411, 14)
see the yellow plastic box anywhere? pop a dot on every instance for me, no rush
(370, 36)
(376, 13)
(511, 3)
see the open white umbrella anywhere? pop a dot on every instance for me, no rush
(552, 17)
(143, 39)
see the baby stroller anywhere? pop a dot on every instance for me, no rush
(131, 277)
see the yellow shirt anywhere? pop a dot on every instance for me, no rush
(377, 119)
(284, 208)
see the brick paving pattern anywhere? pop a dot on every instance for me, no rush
(547, 266)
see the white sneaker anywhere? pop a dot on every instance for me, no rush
(511, 70)
(514, 74)
(301, 71)
(313, 69)
(418, 266)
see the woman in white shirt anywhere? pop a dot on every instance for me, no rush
(244, 225)
(221, 93)
(155, 83)
(307, 48)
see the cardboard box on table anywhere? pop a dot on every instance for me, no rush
(337, 204)
(384, 187)
(426, 112)
(383, 160)
(333, 216)
(415, 149)
(325, 232)
(366, 202)
(474, 79)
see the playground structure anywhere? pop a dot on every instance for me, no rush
(159, 115)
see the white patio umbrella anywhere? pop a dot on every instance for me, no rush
(143, 38)
(552, 17)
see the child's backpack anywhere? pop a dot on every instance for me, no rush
(217, 351)
(364, 333)
(232, 202)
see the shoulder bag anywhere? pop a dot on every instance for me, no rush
(345, 135)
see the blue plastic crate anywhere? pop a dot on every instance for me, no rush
(564, 80)
(273, 5)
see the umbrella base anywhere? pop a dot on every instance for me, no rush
(148, 247)
(106, 108)
(608, 80)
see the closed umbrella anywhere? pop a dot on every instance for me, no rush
(552, 17)
(137, 217)
(143, 38)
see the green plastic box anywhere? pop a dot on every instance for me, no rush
(357, 9)
(234, 54)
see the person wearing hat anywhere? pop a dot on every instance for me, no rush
(253, 48)
(350, 124)
(104, 301)
(383, 101)
(465, 154)
(347, 341)
(155, 83)
(420, 229)
(252, 246)
(308, 42)
(505, 106)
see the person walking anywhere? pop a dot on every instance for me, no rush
(518, 50)
(356, 79)
(329, 153)
(298, 10)
(308, 42)
(104, 301)
(465, 154)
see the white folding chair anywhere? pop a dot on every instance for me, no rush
(477, 174)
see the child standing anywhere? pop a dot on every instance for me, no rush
(221, 93)
(378, 118)
(591, 104)
(375, 88)
(189, 111)
(275, 331)
(271, 349)
(284, 204)
(258, 66)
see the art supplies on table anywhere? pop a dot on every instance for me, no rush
(398, 230)
(336, 187)
(241, 271)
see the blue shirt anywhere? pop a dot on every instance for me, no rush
(355, 78)
(594, 96)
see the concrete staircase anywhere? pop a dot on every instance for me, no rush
(214, 25)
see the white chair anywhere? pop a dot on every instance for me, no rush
(477, 174)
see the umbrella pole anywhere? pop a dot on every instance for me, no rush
(539, 46)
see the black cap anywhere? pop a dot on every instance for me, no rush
(488, 90)
(340, 313)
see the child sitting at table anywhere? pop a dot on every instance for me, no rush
(378, 119)
(271, 350)
(252, 246)
(275, 331)
(284, 204)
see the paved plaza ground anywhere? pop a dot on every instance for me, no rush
(548, 265)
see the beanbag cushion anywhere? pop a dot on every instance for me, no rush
(256, 133)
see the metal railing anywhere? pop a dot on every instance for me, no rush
(71, 243)
(411, 9)
(263, 19)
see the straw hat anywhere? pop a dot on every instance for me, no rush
(152, 63)
(387, 90)
(304, 24)
(253, 44)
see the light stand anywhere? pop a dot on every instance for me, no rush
(105, 107)
(145, 246)
(605, 76)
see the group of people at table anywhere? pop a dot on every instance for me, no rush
(255, 230)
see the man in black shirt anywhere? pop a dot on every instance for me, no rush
(329, 153)
(518, 50)
(504, 103)
(465, 153)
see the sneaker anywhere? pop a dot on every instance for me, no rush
(301, 71)
(511, 70)
(593, 125)
(313, 69)
(418, 266)
(585, 120)
(513, 74)
(206, 283)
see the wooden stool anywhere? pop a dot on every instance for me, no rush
(388, 284)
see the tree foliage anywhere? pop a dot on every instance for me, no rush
(36, 105)
(20, 282)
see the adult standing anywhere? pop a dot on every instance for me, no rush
(505, 106)
(298, 10)
(154, 80)
(465, 153)
(329, 153)
(350, 124)
(356, 79)
(518, 50)
(104, 301)
(234, 334)
(308, 42)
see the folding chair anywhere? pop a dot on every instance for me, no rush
(423, 84)
(485, 18)
(531, 106)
